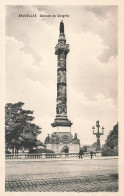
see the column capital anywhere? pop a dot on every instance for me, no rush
(61, 48)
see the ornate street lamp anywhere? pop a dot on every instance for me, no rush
(98, 133)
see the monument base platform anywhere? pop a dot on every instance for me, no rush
(62, 142)
(59, 148)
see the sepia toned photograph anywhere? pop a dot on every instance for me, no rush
(61, 98)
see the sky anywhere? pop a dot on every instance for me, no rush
(92, 70)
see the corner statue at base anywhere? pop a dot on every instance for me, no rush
(62, 125)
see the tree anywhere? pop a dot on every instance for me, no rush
(112, 138)
(20, 132)
(111, 144)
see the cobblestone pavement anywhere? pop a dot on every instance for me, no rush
(62, 176)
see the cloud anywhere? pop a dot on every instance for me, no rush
(85, 72)
(21, 81)
(106, 27)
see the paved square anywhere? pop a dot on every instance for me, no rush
(84, 175)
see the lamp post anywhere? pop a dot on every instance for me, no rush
(98, 133)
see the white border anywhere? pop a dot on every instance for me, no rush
(120, 4)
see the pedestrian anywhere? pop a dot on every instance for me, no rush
(81, 153)
(91, 154)
(66, 152)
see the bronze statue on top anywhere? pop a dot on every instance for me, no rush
(61, 27)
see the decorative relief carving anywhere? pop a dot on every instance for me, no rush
(61, 64)
(61, 76)
(54, 138)
(57, 138)
(61, 91)
(62, 60)
(61, 109)
(65, 139)
(61, 51)
(61, 100)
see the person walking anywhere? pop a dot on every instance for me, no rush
(81, 153)
(91, 154)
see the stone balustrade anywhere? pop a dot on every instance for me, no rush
(47, 155)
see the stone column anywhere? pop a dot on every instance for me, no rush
(61, 50)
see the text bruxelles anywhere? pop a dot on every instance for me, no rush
(44, 15)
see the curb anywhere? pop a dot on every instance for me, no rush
(59, 159)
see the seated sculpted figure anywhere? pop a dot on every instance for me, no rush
(75, 136)
(47, 140)
(76, 140)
